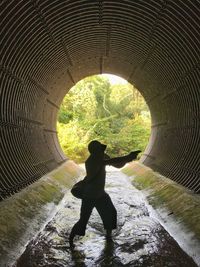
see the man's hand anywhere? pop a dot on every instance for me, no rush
(133, 155)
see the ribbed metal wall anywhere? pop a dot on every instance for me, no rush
(49, 45)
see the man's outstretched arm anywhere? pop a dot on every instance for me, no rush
(119, 162)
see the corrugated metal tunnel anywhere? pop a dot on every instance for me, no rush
(47, 46)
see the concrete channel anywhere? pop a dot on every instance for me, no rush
(143, 236)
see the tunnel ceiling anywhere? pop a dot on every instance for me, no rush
(49, 45)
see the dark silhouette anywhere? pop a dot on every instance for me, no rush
(94, 193)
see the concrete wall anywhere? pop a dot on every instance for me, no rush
(25, 213)
(164, 194)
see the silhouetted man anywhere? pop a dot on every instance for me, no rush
(94, 193)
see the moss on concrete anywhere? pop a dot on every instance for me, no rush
(163, 192)
(22, 215)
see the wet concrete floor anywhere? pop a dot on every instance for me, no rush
(139, 240)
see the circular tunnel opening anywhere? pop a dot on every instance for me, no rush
(46, 47)
(106, 108)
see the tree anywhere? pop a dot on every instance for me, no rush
(114, 114)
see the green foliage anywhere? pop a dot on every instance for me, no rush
(114, 114)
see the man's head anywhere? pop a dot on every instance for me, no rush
(96, 147)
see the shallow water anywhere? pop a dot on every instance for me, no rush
(139, 240)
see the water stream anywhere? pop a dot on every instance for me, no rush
(139, 240)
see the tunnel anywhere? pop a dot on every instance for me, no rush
(48, 46)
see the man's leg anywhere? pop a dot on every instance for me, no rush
(80, 227)
(108, 214)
